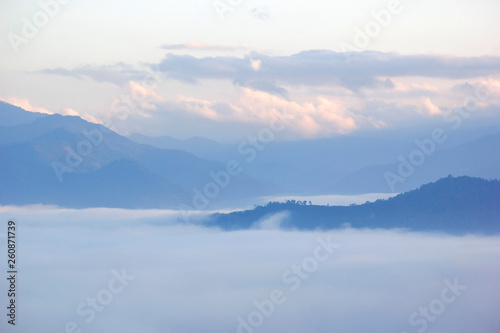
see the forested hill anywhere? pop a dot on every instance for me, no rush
(453, 205)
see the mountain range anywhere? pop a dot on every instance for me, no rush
(70, 162)
(355, 164)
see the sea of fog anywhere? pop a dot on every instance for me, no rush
(116, 270)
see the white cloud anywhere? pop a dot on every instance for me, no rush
(198, 106)
(255, 64)
(144, 96)
(273, 222)
(86, 116)
(319, 117)
(401, 85)
(323, 95)
(429, 107)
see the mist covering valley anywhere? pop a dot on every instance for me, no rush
(192, 278)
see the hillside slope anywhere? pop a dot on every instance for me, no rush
(453, 205)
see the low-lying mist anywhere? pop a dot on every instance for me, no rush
(114, 270)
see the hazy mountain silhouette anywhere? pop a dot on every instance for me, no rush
(453, 205)
(11, 115)
(478, 158)
(67, 161)
(198, 146)
(353, 164)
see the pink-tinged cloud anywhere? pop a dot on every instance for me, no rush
(201, 47)
(429, 107)
(320, 117)
(25, 104)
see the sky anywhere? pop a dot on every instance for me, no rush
(226, 69)
(188, 278)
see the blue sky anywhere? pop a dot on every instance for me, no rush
(224, 69)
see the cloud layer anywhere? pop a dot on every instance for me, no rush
(324, 93)
(191, 279)
(312, 68)
(324, 68)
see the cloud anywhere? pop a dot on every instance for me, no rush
(250, 110)
(324, 68)
(24, 104)
(484, 89)
(273, 222)
(144, 96)
(183, 272)
(320, 117)
(256, 64)
(323, 92)
(267, 86)
(62, 72)
(86, 116)
(430, 108)
(119, 74)
(365, 72)
(201, 47)
(414, 86)
(316, 68)
(262, 13)
(198, 106)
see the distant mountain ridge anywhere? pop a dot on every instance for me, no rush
(67, 161)
(452, 204)
(12, 115)
(355, 164)
(477, 158)
(198, 146)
